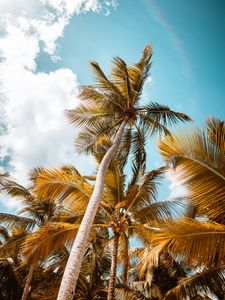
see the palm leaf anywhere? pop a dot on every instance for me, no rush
(119, 74)
(12, 247)
(16, 190)
(88, 115)
(11, 221)
(200, 243)
(163, 114)
(96, 96)
(199, 164)
(146, 192)
(104, 84)
(48, 239)
(139, 73)
(207, 281)
(123, 255)
(216, 133)
(88, 139)
(160, 210)
(124, 292)
(62, 185)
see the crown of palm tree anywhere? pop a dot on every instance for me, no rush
(105, 105)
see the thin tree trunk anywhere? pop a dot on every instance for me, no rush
(112, 279)
(72, 270)
(28, 282)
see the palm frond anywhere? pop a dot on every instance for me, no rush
(200, 243)
(142, 233)
(93, 95)
(12, 247)
(4, 177)
(216, 133)
(139, 72)
(4, 233)
(137, 149)
(162, 114)
(206, 282)
(62, 185)
(200, 165)
(11, 221)
(88, 138)
(88, 115)
(119, 74)
(14, 189)
(146, 191)
(104, 84)
(124, 292)
(123, 255)
(153, 126)
(48, 239)
(160, 210)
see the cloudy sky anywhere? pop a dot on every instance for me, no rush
(45, 46)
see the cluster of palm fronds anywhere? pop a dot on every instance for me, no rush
(181, 241)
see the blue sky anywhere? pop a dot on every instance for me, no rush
(188, 70)
(188, 41)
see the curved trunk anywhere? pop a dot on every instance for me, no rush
(112, 279)
(72, 270)
(28, 282)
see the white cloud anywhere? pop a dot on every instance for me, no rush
(9, 204)
(32, 104)
(46, 19)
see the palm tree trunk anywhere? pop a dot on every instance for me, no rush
(72, 270)
(28, 282)
(112, 279)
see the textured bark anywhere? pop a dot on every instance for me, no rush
(112, 279)
(28, 282)
(72, 270)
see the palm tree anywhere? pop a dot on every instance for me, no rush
(112, 108)
(129, 207)
(198, 158)
(36, 212)
(124, 207)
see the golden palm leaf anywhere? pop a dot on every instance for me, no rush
(199, 243)
(216, 132)
(12, 247)
(123, 255)
(139, 73)
(104, 84)
(121, 79)
(48, 239)
(199, 164)
(62, 185)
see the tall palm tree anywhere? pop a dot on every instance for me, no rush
(112, 107)
(124, 206)
(130, 205)
(198, 157)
